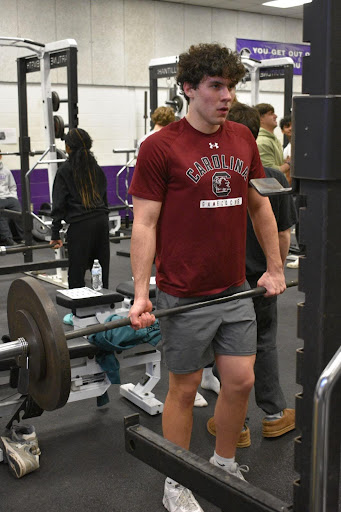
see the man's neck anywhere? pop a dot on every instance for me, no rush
(200, 125)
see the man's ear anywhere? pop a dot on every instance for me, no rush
(188, 89)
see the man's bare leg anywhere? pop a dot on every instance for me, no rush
(237, 378)
(177, 417)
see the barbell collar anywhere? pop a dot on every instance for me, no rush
(115, 324)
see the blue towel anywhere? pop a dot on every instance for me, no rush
(116, 340)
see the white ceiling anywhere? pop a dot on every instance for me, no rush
(245, 5)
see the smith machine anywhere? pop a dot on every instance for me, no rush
(59, 54)
(316, 173)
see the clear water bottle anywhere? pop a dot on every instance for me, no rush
(96, 276)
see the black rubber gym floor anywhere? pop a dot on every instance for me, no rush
(84, 465)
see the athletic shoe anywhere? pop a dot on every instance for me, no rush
(244, 439)
(19, 457)
(68, 319)
(294, 264)
(25, 434)
(234, 468)
(200, 401)
(177, 498)
(276, 428)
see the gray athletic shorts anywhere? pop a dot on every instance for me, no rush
(190, 340)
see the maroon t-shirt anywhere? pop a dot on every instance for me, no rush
(202, 181)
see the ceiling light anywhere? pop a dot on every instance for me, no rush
(284, 4)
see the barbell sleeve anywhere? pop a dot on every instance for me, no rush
(13, 349)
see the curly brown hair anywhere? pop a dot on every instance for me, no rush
(209, 59)
(163, 116)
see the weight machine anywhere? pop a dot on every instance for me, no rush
(45, 58)
(270, 69)
(165, 67)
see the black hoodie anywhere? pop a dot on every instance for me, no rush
(67, 203)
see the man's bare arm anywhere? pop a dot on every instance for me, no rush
(284, 243)
(265, 228)
(142, 253)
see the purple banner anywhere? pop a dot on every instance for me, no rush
(261, 50)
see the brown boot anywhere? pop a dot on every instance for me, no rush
(244, 438)
(276, 428)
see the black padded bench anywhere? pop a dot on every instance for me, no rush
(90, 310)
(107, 297)
(127, 289)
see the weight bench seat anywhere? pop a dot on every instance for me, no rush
(127, 289)
(106, 297)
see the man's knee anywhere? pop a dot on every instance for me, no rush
(240, 381)
(183, 388)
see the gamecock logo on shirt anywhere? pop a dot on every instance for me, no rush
(220, 184)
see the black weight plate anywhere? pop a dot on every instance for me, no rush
(55, 101)
(179, 103)
(31, 315)
(58, 126)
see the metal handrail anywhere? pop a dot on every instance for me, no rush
(321, 422)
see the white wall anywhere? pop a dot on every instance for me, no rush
(116, 40)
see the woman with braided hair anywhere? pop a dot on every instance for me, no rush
(79, 198)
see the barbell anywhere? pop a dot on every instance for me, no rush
(40, 343)
(17, 153)
(24, 248)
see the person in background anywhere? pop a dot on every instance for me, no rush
(192, 177)
(270, 148)
(285, 125)
(162, 116)
(268, 392)
(9, 201)
(79, 198)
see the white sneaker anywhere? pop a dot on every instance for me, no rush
(293, 264)
(234, 469)
(200, 401)
(210, 381)
(177, 498)
(25, 434)
(20, 457)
